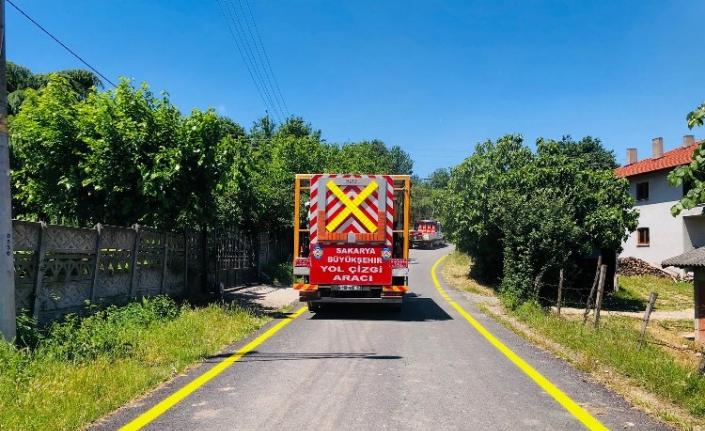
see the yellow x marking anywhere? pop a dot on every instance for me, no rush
(352, 206)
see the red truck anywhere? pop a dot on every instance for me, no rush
(427, 234)
(353, 246)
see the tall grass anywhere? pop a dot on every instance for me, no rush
(615, 345)
(673, 295)
(77, 371)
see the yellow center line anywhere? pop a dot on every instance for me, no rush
(182, 393)
(583, 416)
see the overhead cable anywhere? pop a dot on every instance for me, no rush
(60, 43)
(244, 59)
(248, 57)
(240, 36)
(253, 62)
(268, 69)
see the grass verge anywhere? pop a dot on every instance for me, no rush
(660, 377)
(82, 369)
(672, 295)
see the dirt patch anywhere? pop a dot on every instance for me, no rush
(262, 297)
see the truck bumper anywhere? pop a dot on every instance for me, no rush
(328, 300)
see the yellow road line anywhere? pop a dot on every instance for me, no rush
(583, 416)
(182, 393)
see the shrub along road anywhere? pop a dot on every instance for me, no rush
(351, 368)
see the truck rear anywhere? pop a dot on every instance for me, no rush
(427, 234)
(353, 245)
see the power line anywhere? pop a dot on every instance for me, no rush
(252, 57)
(244, 59)
(249, 57)
(259, 43)
(259, 56)
(60, 43)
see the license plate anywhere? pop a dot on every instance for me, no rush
(349, 287)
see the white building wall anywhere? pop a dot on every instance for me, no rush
(694, 231)
(668, 235)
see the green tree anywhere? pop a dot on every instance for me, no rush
(19, 79)
(426, 195)
(400, 162)
(439, 178)
(46, 154)
(473, 203)
(694, 173)
(521, 215)
(559, 210)
(133, 157)
(120, 157)
(297, 127)
(371, 157)
(590, 151)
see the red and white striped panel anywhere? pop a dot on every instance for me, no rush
(313, 210)
(382, 196)
(390, 209)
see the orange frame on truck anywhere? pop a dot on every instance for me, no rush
(353, 246)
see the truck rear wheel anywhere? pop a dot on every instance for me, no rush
(313, 307)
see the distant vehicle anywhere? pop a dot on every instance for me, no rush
(353, 246)
(427, 234)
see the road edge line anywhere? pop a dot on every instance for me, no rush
(564, 400)
(182, 393)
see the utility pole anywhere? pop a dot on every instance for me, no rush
(8, 324)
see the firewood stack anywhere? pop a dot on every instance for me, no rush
(634, 266)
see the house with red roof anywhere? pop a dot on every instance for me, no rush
(659, 235)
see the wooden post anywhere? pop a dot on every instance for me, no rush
(699, 302)
(135, 253)
(96, 261)
(165, 240)
(600, 293)
(647, 315)
(592, 290)
(560, 292)
(615, 282)
(39, 277)
(701, 367)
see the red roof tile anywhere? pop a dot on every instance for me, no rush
(670, 159)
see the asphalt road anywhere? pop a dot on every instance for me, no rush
(357, 368)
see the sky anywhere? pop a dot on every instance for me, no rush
(434, 77)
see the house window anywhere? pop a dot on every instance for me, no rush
(642, 191)
(642, 236)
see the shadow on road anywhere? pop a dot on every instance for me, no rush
(257, 356)
(415, 309)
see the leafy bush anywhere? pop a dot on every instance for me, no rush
(110, 331)
(279, 274)
(523, 216)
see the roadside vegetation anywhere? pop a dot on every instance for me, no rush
(661, 377)
(524, 216)
(81, 156)
(72, 373)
